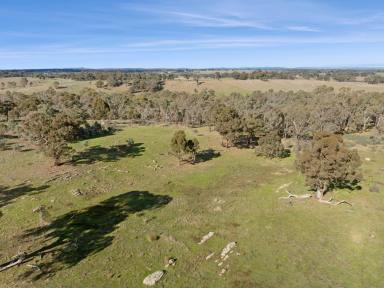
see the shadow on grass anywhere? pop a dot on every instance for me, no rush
(96, 131)
(79, 234)
(349, 185)
(8, 194)
(206, 155)
(108, 154)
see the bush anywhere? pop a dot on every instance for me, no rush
(270, 146)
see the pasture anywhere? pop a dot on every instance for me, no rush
(135, 207)
(223, 86)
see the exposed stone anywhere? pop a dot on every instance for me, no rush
(210, 256)
(217, 209)
(206, 237)
(227, 249)
(76, 192)
(153, 278)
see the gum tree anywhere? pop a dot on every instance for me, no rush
(328, 163)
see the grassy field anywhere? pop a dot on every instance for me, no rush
(227, 86)
(131, 216)
(221, 87)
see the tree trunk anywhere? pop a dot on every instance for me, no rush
(319, 194)
(320, 191)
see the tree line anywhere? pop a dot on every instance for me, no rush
(52, 119)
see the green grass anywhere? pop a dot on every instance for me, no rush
(101, 239)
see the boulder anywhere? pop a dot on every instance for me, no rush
(206, 237)
(153, 278)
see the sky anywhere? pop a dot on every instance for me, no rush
(191, 34)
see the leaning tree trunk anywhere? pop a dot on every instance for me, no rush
(321, 191)
(319, 194)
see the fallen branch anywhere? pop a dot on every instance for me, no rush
(333, 203)
(15, 261)
(294, 196)
(308, 196)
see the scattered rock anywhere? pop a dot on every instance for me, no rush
(210, 256)
(153, 278)
(227, 249)
(217, 209)
(219, 201)
(206, 237)
(77, 192)
(170, 261)
(222, 272)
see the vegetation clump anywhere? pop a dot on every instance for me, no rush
(328, 163)
(184, 149)
(270, 146)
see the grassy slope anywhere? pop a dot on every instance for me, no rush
(303, 245)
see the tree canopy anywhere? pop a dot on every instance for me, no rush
(328, 163)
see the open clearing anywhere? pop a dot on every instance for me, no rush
(131, 216)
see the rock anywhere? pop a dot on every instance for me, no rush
(76, 192)
(222, 272)
(367, 159)
(153, 278)
(206, 237)
(227, 249)
(170, 261)
(209, 256)
(217, 209)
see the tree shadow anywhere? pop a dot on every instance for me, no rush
(95, 131)
(8, 195)
(7, 136)
(108, 154)
(76, 235)
(6, 146)
(349, 185)
(207, 155)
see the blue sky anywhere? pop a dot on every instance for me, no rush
(192, 34)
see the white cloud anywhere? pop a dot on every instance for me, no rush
(184, 45)
(303, 29)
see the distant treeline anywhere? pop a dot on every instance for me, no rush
(126, 75)
(293, 114)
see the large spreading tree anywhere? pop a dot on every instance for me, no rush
(52, 133)
(328, 163)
